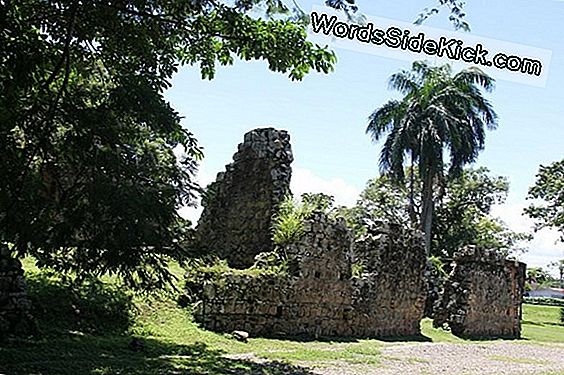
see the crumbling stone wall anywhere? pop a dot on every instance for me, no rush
(390, 295)
(318, 296)
(482, 295)
(15, 307)
(236, 220)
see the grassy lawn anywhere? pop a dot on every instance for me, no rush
(91, 332)
(542, 324)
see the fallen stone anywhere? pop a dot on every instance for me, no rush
(240, 336)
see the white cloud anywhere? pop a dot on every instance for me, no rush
(545, 246)
(304, 181)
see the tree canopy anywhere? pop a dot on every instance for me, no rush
(89, 182)
(461, 217)
(548, 190)
(440, 111)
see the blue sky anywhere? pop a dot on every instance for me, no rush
(326, 115)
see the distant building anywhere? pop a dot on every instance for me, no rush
(547, 292)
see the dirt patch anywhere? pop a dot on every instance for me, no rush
(450, 358)
(491, 358)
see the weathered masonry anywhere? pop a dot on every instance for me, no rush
(15, 307)
(482, 295)
(239, 205)
(317, 296)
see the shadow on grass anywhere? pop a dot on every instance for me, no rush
(543, 324)
(490, 338)
(418, 338)
(115, 355)
(344, 339)
(307, 339)
(94, 307)
(83, 330)
(532, 323)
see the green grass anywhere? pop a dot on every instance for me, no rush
(437, 334)
(542, 324)
(362, 352)
(90, 332)
(538, 314)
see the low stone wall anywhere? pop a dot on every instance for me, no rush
(482, 295)
(318, 297)
(236, 220)
(15, 316)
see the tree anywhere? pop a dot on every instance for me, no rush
(559, 265)
(549, 190)
(456, 13)
(536, 276)
(89, 183)
(462, 215)
(381, 200)
(455, 7)
(439, 111)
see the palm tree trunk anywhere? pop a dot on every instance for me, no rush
(427, 211)
(411, 208)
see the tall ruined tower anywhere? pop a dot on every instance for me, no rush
(238, 206)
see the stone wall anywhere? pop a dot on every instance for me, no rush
(236, 220)
(318, 297)
(390, 295)
(15, 316)
(482, 295)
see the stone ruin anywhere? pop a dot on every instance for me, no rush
(15, 307)
(482, 295)
(390, 294)
(318, 296)
(238, 207)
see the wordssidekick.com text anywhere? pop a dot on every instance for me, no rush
(397, 38)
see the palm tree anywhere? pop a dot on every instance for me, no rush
(439, 112)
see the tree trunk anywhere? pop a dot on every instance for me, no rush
(411, 207)
(427, 211)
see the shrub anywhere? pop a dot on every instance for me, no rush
(198, 272)
(288, 222)
(436, 276)
(357, 269)
(544, 301)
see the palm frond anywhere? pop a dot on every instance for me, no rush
(403, 82)
(382, 119)
(475, 76)
(439, 112)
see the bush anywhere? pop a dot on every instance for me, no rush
(198, 272)
(544, 301)
(562, 315)
(288, 223)
(436, 276)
